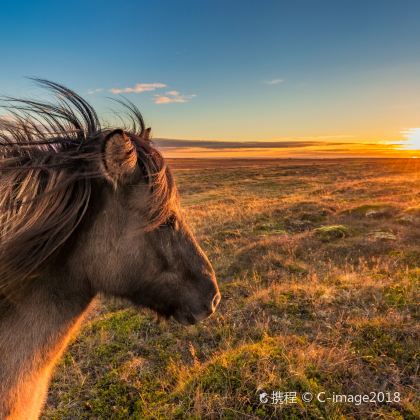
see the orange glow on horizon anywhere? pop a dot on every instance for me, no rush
(344, 150)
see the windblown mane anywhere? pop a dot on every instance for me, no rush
(48, 168)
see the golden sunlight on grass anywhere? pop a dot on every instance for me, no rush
(318, 263)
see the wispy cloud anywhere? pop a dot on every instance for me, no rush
(223, 144)
(334, 136)
(172, 96)
(93, 91)
(273, 81)
(173, 93)
(139, 88)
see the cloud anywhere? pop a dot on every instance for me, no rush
(173, 93)
(172, 96)
(139, 88)
(273, 81)
(215, 144)
(93, 91)
(282, 142)
(272, 149)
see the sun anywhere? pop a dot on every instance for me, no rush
(411, 139)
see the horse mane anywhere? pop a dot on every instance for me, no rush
(48, 168)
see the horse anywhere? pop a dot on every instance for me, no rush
(85, 209)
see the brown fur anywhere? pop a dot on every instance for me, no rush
(83, 210)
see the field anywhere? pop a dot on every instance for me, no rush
(318, 263)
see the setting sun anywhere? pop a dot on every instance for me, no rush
(412, 139)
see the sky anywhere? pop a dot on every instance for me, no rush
(232, 78)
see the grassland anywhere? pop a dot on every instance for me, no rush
(319, 266)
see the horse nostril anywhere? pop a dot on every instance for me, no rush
(215, 301)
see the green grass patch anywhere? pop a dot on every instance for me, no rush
(331, 233)
(373, 210)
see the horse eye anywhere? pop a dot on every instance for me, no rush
(171, 222)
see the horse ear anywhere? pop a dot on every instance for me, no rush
(119, 157)
(147, 133)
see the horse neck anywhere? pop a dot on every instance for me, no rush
(33, 334)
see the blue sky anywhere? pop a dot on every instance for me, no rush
(346, 70)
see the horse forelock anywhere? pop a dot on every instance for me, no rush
(48, 168)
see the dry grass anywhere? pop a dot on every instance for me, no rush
(319, 265)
